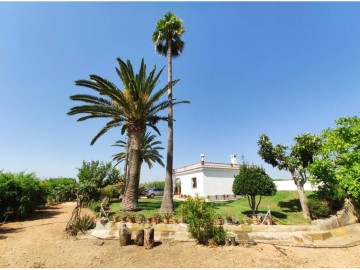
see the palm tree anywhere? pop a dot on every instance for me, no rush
(167, 39)
(149, 151)
(134, 108)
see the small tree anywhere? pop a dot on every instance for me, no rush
(253, 181)
(295, 160)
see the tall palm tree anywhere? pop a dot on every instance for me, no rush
(149, 151)
(134, 108)
(167, 39)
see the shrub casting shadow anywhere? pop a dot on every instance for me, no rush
(292, 205)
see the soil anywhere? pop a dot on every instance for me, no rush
(42, 242)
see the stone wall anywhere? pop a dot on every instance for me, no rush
(348, 215)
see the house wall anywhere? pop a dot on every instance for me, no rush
(186, 185)
(290, 185)
(218, 182)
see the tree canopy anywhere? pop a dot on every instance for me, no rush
(253, 181)
(336, 168)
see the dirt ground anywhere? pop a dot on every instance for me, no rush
(41, 242)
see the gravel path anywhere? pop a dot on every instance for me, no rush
(41, 242)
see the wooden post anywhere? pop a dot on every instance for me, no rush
(124, 235)
(149, 238)
(139, 240)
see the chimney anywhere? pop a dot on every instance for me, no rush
(202, 162)
(233, 160)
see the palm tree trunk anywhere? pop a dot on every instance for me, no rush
(127, 156)
(303, 199)
(167, 202)
(130, 201)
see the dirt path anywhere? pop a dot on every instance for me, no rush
(41, 242)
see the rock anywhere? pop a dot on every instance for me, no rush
(139, 239)
(124, 235)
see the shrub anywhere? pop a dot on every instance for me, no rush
(81, 224)
(318, 208)
(200, 216)
(110, 192)
(94, 206)
(61, 189)
(20, 194)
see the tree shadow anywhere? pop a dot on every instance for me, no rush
(5, 231)
(276, 214)
(218, 205)
(292, 205)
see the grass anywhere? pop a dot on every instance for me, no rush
(284, 206)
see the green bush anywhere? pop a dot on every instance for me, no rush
(201, 216)
(81, 224)
(94, 206)
(20, 194)
(61, 189)
(318, 208)
(110, 192)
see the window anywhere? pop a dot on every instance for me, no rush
(193, 182)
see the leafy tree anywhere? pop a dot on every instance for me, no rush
(60, 189)
(253, 181)
(336, 168)
(20, 194)
(149, 151)
(295, 159)
(167, 40)
(134, 109)
(98, 173)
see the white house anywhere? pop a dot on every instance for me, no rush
(207, 178)
(214, 179)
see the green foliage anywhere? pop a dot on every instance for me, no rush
(318, 208)
(98, 173)
(294, 159)
(110, 192)
(337, 166)
(253, 181)
(20, 194)
(149, 151)
(94, 206)
(81, 224)
(60, 189)
(200, 216)
(95, 175)
(169, 27)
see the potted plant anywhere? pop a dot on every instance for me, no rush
(140, 218)
(228, 218)
(157, 218)
(175, 220)
(124, 217)
(115, 218)
(246, 221)
(219, 220)
(255, 220)
(166, 217)
(103, 220)
(148, 220)
(132, 217)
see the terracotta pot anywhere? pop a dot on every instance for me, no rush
(166, 221)
(116, 218)
(175, 220)
(123, 219)
(148, 220)
(220, 221)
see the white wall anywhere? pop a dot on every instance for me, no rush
(186, 185)
(290, 185)
(218, 182)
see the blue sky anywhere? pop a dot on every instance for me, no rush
(248, 68)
